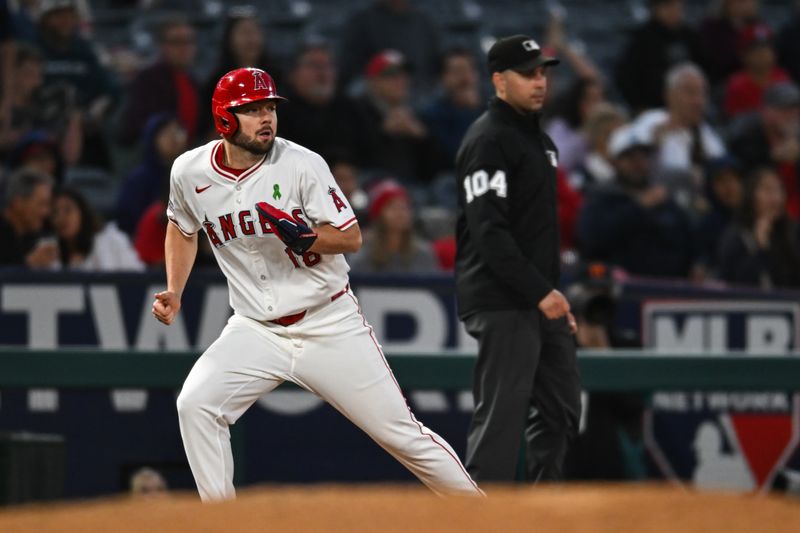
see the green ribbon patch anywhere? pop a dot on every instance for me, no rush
(276, 191)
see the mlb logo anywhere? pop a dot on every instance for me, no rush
(553, 157)
(530, 45)
(720, 440)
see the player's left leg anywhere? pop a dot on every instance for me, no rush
(343, 363)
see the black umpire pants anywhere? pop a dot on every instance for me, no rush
(526, 379)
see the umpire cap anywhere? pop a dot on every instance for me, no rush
(518, 52)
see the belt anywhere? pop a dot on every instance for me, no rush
(288, 320)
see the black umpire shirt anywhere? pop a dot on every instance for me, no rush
(507, 230)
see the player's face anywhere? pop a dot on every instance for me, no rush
(524, 91)
(258, 125)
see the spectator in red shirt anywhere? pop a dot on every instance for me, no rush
(745, 89)
(719, 37)
(569, 205)
(151, 233)
(166, 85)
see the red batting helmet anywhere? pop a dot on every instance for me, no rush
(238, 87)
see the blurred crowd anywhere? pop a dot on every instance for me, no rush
(682, 161)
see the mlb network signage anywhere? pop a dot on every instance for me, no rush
(722, 439)
(767, 327)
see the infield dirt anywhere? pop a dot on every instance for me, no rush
(383, 508)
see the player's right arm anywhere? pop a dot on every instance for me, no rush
(180, 251)
(180, 245)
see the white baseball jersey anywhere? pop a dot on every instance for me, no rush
(330, 351)
(266, 280)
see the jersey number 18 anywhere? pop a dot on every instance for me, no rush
(309, 258)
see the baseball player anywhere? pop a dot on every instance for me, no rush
(278, 226)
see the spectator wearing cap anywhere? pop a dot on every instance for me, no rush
(745, 89)
(391, 245)
(787, 45)
(316, 116)
(633, 223)
(26, 208)
(166, 85)
(685, 142)
(70, 59)
(724, 191)
(37, 151)
(762, 248)
(392, 138)
(390, 24)
(719, 34)
(457, 104)
(660, 43)
(771, 137)
(242, 45)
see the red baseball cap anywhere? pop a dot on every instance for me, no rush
(381, 194)
(754, 35)
(386, 62)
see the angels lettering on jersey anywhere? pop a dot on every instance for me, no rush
(292, 179)
(249, 222)
(266, 279)
(245, 223)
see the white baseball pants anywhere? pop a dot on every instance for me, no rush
(331, 352)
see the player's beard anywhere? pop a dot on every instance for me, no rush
(250, 144)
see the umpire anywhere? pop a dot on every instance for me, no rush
(507, 268)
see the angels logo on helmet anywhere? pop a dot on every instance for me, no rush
(239, 87)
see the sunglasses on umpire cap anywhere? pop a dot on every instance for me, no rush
(519, 53)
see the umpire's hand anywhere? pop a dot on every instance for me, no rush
(166, 306)
(554, 306)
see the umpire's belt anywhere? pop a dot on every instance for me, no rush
(288, 320)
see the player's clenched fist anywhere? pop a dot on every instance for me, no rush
(166, 306)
